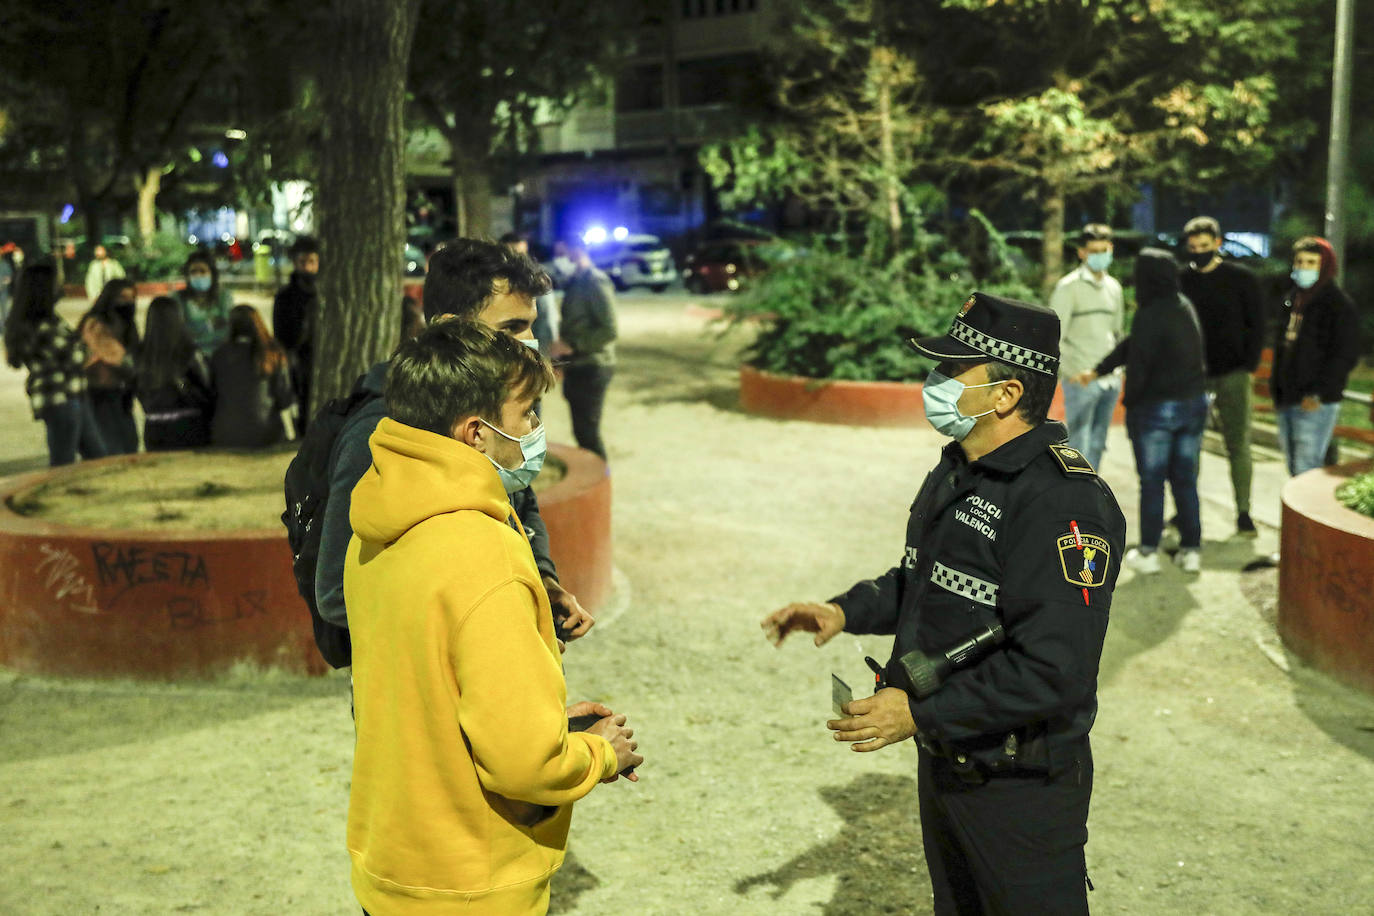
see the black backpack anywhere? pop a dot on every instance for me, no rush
(307, 494)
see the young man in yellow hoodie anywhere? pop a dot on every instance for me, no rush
(465, 772)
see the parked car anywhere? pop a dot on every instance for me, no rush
(722, 266)
(636, 260)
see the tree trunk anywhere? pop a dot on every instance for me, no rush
(891, 189)
(1052, 238)
(471, 190)
(148, 186)
(360, 197)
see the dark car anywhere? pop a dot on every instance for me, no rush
(723, 266)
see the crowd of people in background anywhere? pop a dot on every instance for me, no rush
(1196, 341)
(204, 371)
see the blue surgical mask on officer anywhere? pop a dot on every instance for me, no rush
(1305, 277)
(941, 395)
(533, 447)
(1099, 261)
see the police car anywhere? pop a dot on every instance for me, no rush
(632, 259)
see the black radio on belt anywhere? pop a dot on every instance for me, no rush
(921, 675)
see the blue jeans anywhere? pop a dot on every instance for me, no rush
(1088, 414)
(71, 428)
(1167, 439)
(1305, 434)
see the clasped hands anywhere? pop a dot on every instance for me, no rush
(869, 724)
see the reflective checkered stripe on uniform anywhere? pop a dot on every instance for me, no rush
(972, 587)
(1001, 350)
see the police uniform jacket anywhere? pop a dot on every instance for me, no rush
(1027, 536)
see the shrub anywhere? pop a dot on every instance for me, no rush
(1358, 493)
(832, 315)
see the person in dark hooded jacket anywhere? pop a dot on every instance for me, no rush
(1166, 407)
(1318, 344)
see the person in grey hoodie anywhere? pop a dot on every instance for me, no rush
(1166, 407)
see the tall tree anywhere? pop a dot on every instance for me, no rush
(1085, 98)
(107, 93)
(360, 75)
(483, 71)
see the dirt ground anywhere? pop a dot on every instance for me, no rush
(1230, 778)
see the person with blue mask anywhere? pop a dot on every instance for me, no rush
(1014, 533)
(1317, 346)
(1091, 311)
(204, 303)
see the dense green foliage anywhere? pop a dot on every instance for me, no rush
(1358, 493)
(831, 314)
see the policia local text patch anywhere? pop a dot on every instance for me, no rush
(1084, 558)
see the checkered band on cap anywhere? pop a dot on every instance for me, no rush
(1002, 351)
(972, 587)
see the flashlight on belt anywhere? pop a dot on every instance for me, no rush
(923, 674)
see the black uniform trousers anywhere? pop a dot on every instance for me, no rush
(1010, 845)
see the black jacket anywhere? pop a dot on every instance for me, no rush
(1230, 308)
(349, 460)
(994, 541)
(248, 405)
(1317, 345)
(1163, 354)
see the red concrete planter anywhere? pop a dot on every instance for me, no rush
(1326, 577)
(792, 397)
(165, 605)
(143, 290)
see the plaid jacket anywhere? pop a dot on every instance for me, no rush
(56, 364)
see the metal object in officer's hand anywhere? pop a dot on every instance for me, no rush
(840, 694)
(925, 673)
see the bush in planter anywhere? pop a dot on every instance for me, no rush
(831, 315)
(1358, 493)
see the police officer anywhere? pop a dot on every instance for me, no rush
(1012, 528)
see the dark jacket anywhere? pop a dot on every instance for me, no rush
(1163, 354)
(293, 313)
(349, 460)
(1230, 308)
(994, 541)
(1318, 341)
(248, 404)
(177, 415)
(587, 322)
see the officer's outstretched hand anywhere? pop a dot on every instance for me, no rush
(876, 721)
(825, 620)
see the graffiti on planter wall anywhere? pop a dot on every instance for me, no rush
(125, 567)
(63, 578)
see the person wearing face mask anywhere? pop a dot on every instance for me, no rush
(1230, 307)
(465, 770)
(1166, 407)
(1317, 345)
(1091, 313)
(1012, 527)
(205, 305)
(293, 318)
(468, 279)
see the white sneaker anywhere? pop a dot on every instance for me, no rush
(1144, 564)
(1189, 559)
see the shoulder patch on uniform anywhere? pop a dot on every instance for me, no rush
(1071, 460)
(1084, 558)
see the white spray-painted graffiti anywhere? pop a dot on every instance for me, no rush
(63, 577)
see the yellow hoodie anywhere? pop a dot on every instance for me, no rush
(458, 691)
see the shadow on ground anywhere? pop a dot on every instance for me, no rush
(569, 883)
(876, 858)
(1344, 713)
(660, 376)
(45, 716)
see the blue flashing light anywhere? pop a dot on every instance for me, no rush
(620, 233)
(67, 212)
(594, 235)
(220, 160)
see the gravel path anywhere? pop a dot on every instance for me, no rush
(1225, 783)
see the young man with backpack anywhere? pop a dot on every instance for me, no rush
(468, 278)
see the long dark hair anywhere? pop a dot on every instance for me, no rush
(35, 301)
(200, 256)
(246, 324)
(118, 316)
(167, 346)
